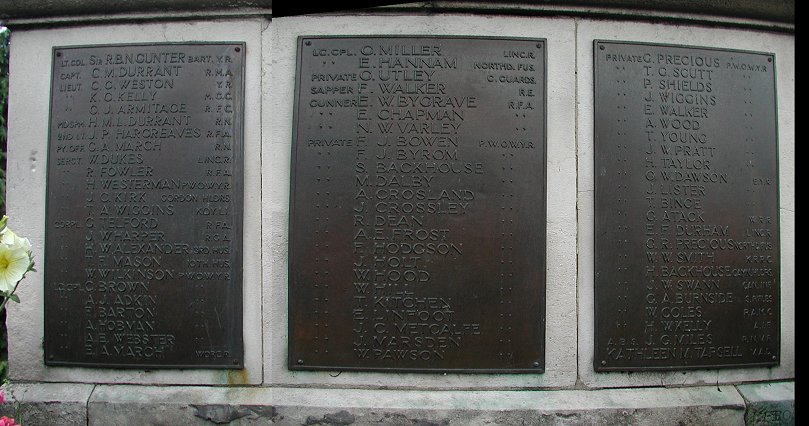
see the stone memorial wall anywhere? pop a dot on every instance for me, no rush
(373, 216)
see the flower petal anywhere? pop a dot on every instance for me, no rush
(14, 263)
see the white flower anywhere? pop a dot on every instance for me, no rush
(14, 263)
(9, 238)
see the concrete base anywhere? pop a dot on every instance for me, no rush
(771, 404)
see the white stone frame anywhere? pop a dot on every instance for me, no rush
(269, 94)
(784, 48)
(27, 158)
(280, 58)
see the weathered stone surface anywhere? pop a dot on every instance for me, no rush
(222, 414)
(46, 404)
(783, 10)
(769, 403)
(681, 416)
(60, 404)
(29, 9)
(180, 405)
(342, 407)
(339, 418)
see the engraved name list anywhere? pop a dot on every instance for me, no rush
(687, 239)
(143, 234)
(417, 228)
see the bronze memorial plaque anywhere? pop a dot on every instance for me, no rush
(417, 236)
(687, 268)
(143, 240)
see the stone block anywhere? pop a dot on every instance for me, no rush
(769, 403)
(302, 406)
(26, 191)
(279, 96)
(46, 403)
(782, 46)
